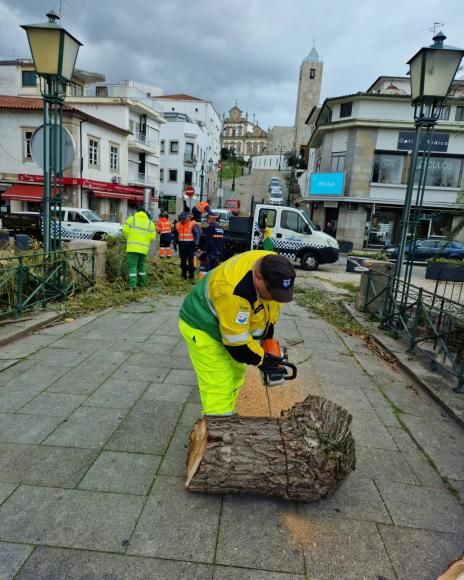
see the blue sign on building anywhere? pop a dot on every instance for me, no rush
(327, 183)
(437, 142)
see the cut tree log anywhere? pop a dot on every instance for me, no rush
(305, 454)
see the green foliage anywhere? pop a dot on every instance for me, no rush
(372, 254)
(448, 261)
(330, 310)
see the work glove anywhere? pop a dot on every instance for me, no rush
(270, 361)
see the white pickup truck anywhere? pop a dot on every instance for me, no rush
(80, 223)
(293, 235)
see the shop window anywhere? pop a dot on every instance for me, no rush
(444, 114)
(388, 168)
(338, 161)
(441, 171)
(173, 175)
(345, 109)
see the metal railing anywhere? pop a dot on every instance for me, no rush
(142, 139)
(433, 324)
(32, 280)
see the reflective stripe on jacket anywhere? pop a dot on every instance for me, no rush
(163, 226)
(185, 231)
(139, 230)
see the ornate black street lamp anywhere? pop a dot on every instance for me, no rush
(232, 152)
(54, 52)
(432, 71)
(202, 170)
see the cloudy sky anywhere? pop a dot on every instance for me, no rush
(249, 50)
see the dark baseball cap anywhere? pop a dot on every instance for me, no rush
(279, 276)
(183, 215)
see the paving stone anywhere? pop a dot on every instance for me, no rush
(369, 431)
(405, 504)
(175, 460)
(72, 343)
(16, 428)
(167, 392)
(59, 357)
(106, 358)
(117, 394)
(82, 380)
(339, 548)
(176, 524)
(159, 359)
(14, 397)
(141, 373)
(230, 573)
(382, 408)
(376, 367)
(402, 438)
(163, 338)
(147, 428)
(25, 347)
(43, 465)
(88, 427)
(357, 498)
(54, 404)
(69, 518)
(6, 489)
(64, 328)
(351, 398)
(38, 376)
(442, 440)
(6, 364)
(178, 377)
(341, 374)
(411, 400)
(191, 413)
(12, 371)
(420, 553)
(261, 518)
(383, 464)
(54, 563)
(121, 473)
(12, 557)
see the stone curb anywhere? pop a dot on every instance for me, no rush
(433, 383)
(28, 326)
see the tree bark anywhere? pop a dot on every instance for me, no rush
(305, 454)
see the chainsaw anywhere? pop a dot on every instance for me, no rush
(273, 375)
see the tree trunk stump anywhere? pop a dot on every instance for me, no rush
(306, 454)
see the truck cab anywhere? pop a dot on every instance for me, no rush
(294, 236)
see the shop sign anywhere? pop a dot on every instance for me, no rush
(438, 141)
(327, 183)
(88, 183)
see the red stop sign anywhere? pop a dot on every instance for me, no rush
(189, 191)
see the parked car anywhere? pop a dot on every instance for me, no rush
(276, 198)
(233, 205)
(431, 248)
(224, 215)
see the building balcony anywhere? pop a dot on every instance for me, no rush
(189, 160)
(140, 142)
(137, 178)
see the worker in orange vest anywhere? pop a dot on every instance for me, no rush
(187, 239)
(201, 208)
(164, 229)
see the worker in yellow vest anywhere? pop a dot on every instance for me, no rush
(139, 231)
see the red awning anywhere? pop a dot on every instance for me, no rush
(117, 195)
(24, 193)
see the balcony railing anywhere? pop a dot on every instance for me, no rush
(142, 178)
(141, 138)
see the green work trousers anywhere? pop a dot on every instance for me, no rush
(137, 266)
(219, 376)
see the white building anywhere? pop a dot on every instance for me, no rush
(366, 139)
(190, 141)
(100, 145)
(109, 174)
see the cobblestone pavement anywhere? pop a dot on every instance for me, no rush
(94, 420)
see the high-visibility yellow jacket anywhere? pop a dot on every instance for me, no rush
(139, 231)
(226, 305)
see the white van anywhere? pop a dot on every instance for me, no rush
(80, 223)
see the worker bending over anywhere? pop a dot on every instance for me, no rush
(225, 316)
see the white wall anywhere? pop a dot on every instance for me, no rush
(269, 162)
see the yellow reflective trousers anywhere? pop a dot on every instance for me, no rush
(219, 375)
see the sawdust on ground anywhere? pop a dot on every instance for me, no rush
(256, 400)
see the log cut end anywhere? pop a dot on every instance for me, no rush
(305, 454)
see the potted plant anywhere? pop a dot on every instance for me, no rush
(445, 269)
